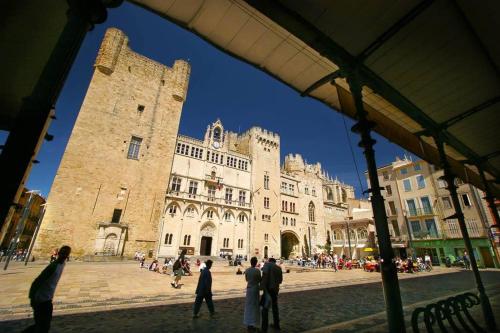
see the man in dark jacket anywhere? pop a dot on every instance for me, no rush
(272, 277)
(204, 290)
(42, 291)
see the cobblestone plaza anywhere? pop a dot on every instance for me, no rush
(112, 297)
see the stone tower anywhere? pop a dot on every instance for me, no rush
(264, 149)
(109, 191)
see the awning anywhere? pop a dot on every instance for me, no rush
(425, 65)
(396, 245)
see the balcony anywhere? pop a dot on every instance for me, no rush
(426, 235)
(427, 211)
(208, 199)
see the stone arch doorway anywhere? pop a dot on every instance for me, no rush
(110, 244)
(289, 245)
(207, 233)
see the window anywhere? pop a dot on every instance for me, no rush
(241, 218)
(293, 222)
(187, 239)
(217, 134)
(133, 148)
(117, 213)
(266, 202)
(168, 239)
(412, 207)
(430, 224)
(242, 198)
(292, 207)
(417, 167)
(407, 185)
(466, 200)
(446, 202)
(441, 183)
(176, 184)
(337, 234)
(172, 209)
(229, 195)
(291, 188)
(395, 227)
(190, 211)
(140, 108)
(329, 194)
(362, 234)
(473, 227)
(283, 222)
(415, 226)
(266, 217)
(228, 216)
(193, 188)
(286, 220)
(311, 212)
(210, 214)
(266, 182)
(453, 229)
(420, 181)
(404, 171)
(240, 243)
(392, 208)
(388, 189)
(283, 187)
(266, 237)
(426, 205)
(313, 191)
(306, 190)
(385, 174)
(226, 243)
(211, 193)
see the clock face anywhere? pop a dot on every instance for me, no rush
(216, 145)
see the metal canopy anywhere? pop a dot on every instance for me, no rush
(426, 66)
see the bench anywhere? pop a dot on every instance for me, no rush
(451, 313)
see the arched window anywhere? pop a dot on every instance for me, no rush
(168, 239)
(329, 194)
(362, 233)
(337, 234)
(311, 212)
(217, 134)
(352, 235)
(344, 196)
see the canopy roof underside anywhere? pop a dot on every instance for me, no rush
(426, 66)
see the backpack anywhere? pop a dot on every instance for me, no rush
(177, 265)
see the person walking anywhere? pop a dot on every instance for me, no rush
(272, 277)
(253, 278)
(42, 292)
(335, 262)
(178, 269)
(204, 291)
(466, 260)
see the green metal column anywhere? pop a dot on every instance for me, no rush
(449, 177)
(390, 282)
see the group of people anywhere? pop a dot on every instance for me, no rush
(268, 279)
(324, 260)
(17, 255)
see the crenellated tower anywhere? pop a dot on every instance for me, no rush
(108, 194)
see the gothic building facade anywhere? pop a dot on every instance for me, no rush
(129, 182)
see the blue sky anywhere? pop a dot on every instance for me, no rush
(220, 87)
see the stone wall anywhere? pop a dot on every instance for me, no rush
(128, 96)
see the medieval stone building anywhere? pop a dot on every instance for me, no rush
(128, 182)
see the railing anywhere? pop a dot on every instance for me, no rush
(201, 197)
(420, 211)
(426, 235)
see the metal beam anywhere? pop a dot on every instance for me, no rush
(452, 121)
(316, 39)
(394, 29)
(324, 80)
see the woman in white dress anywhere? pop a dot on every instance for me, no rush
(252, 308)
